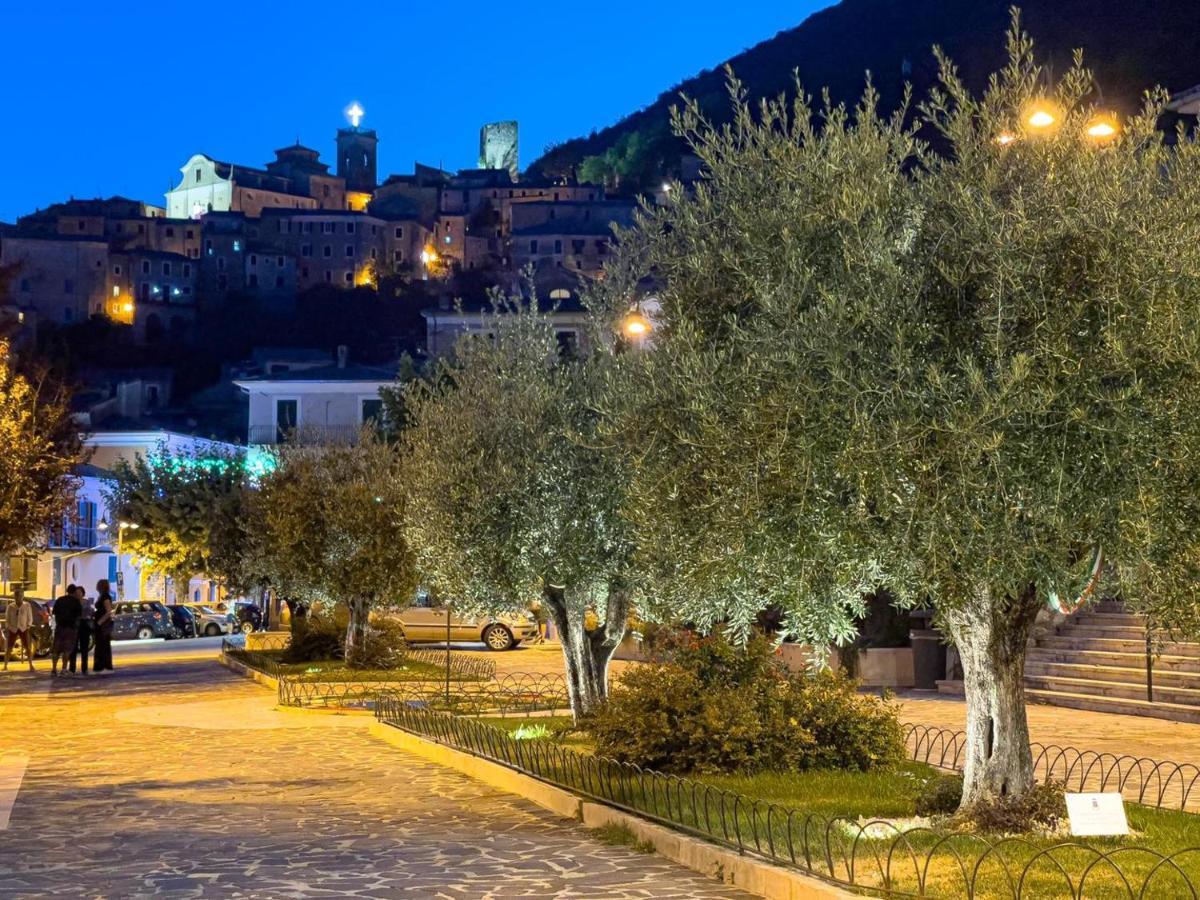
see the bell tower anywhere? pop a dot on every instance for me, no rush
(356, 153)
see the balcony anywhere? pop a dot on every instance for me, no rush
(305, 435)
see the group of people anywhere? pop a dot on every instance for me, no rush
(77, 622)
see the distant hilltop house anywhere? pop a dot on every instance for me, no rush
(293, 224)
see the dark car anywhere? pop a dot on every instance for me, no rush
(249, 617)
(184, 621)
(142, 620)
(42, 633)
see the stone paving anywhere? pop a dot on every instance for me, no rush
(180, 779)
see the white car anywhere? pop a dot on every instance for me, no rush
(210, 623)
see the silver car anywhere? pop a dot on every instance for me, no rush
(426, 622)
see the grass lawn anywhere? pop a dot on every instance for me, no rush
(945, 867)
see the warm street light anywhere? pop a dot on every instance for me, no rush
(1041, 117)
(1005, 138)
(1102, 128)
(636, 325)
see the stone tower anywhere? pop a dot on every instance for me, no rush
(356, 158)
(498, 146)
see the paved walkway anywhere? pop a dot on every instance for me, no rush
(180, 779)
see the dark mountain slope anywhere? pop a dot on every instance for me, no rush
(1131, 45)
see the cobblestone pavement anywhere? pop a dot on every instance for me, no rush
(180, 779)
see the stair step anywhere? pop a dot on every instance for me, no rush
(1166, 662)
(1118, 674)
(951, 687)
(1105, 632)
(1114, 689)
(1176, 712)
(1119, 645)
(1105, 618)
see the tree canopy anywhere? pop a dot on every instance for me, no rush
(954, 375)
(39, 446)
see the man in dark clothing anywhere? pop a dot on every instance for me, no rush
(67, 612)
(83, 643)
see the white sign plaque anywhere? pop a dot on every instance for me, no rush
(1096, 815)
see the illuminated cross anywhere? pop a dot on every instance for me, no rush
(354, 114)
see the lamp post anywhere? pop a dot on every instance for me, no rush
(121, 528)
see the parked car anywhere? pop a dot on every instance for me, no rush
(249, 617)
(42, 633)
(142, 620)
(210, 623)
(427, 622)
(184, 620)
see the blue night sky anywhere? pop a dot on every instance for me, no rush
(104, 99)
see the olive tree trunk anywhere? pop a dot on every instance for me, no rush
(587, 652)
(356, 628)
(991, 633)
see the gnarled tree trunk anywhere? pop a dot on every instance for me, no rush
(991, 633)
(356, 628)
(587, 652)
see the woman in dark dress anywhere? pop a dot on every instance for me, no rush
(104, 628)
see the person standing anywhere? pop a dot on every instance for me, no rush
(87, 628)
(102, 662)
(18, 623)
(67, 611)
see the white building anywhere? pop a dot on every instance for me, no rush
(327, 404)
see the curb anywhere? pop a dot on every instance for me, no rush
(253, 674)
(746, 873)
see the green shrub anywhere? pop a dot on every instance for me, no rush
(941, 796)
(318, 640)
(713, 707)
(383, 648)
(1042, 807)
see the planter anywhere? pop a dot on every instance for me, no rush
(268, 640)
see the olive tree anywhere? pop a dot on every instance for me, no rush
(511, 498)
(953, 372)
(331, 529)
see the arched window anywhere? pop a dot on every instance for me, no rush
(560, 294)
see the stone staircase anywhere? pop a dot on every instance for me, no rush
(1096, 660)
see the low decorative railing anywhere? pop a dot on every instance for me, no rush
(876, 856)
(1160, 783)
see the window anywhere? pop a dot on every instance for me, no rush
(166, 268)
(68, 286)
(577, 246)
(397, 256)
(208, 247)
(533, 246)
(189, 234)
(116, 291)
(348, 278)
(145, 267)
(560, 294)
(349, 250)
(116, 270)
(278, 281)
(254, 259)
(306, 249)
(558, 245)
(82, 225)
(329, 276)
(349, 228)
(325, 190)
(326, 228)
(170, 232)
(399, 231)
(144, 290)
(287, 417)
(328, 251)
(601, 246)
(237, 246)
(279, 261)
(187, 270)
(197, 176)
(374, 254)
(142, 228)
(372, 411)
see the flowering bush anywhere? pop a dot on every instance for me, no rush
(715, 707)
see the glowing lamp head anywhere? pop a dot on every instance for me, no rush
(1101, 129)
(354, 114)
(127, 307)
(636, 325)
(1005, 138)
(1041, 117)
(429, 256)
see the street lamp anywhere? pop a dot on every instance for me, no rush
(1041, 117)
(1102, 128)
(121, 529)
(635, 325)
